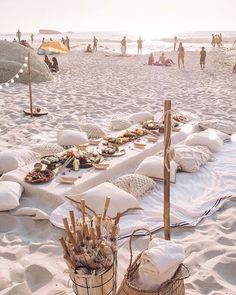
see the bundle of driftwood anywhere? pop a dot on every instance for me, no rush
(90, 247)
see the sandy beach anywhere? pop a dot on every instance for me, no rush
(94, 88)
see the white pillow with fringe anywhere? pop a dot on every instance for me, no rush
(92, 130)
(191, 158)
(121, 201)
(225, 126)
(10, 193)
(214, 143)
(135, 184)
(47, 149)
(141, 117)
(154, 167)
(119, 124)
(71, 137)
(12, 159)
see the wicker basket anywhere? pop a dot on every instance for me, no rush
(174, 286)
(102, 284)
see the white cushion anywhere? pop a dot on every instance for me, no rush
(121, 201)
(191, 158)
(212, 132)
(47, 149)
(225, 126)
(135, 184)
(92, 130)
(12, 159)
(10, 193)
(154, 167)
(141, 117)
(214, 143)
(71, 137)
(119, 124)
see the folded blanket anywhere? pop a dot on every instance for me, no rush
(158, 264)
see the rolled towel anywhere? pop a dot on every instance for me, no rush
(158, 264)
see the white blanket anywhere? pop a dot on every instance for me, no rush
(193, 197)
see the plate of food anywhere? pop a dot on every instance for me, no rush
(151, 125)
(112, 151)
(39, 176)
(180, 118)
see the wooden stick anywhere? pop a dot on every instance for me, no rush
(72, 218)
(92, 235)
(71, 238)
(30, 87)
(167, 139)
(107, 203)
(117, 218)
(64, 246)
(82, 204)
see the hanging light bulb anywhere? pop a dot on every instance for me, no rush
(25, 65)
(26, 58)
(7, 84)
(12, 80)
(21, 70)
(17, 76)
(1, 87)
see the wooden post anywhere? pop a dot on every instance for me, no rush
(167, 142)
(30, 89)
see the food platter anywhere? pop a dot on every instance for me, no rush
(112, 151)
(37, 112)
(37, 177)
(151, 125)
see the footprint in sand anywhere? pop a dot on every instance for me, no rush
(37, 276)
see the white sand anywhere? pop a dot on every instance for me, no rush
(95, 87)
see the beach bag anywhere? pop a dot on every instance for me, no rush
(174, 286)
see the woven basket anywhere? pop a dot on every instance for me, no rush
(174, 286)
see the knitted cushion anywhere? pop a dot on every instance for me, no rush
(119, 124)
(92, 130)
(47, 149)
(135, 184)
(191, 158)
(221, 125)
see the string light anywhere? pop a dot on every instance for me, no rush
(233, 138)
(17, 76)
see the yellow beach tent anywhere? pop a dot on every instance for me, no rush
(52, 47)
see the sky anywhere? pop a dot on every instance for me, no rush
(146, 17)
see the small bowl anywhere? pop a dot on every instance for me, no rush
(101, 166)
(152, 139)
(95, 141)
(139, 145)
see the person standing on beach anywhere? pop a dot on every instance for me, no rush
(234, 68)
(202, 58)
(18, 35)
(95, 43)
(123, 46)
(32, 38)
(140, 45)
(213, 40)
(220, 40)
(43, 40)
(67, 43)
(175, 42)
(180, 55)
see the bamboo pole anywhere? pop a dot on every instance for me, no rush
(30, 88)
(167, 141)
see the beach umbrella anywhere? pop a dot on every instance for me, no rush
(52, 47)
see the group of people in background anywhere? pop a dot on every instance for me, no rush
(216, 40)
(52, 65)
(89, 48)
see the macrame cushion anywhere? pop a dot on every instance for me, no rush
(135, 184)
(71, 137)
(191, 158)
(211, 132)
(119, 124)
(92, 130)
(47, 149)
(153, 167)
(12, 159)
(214, 143)
(141, 117)
(225, 126)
